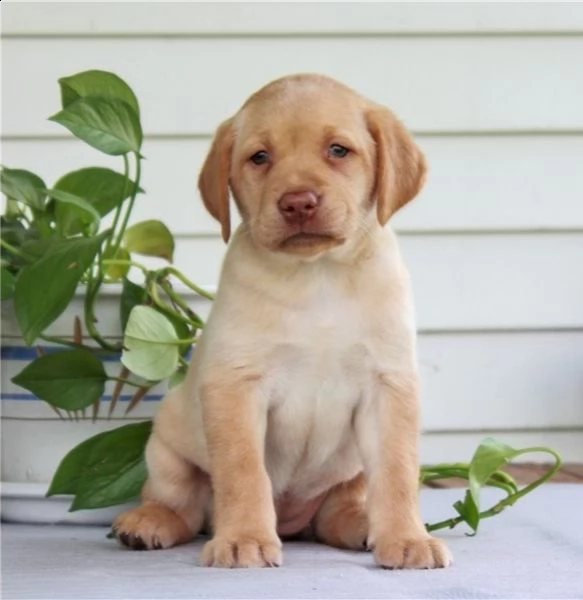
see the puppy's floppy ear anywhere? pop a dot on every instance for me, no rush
(400, 165)
(213, 181)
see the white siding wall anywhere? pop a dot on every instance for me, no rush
(494, 94)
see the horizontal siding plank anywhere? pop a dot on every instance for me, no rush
(472, 383)
(455, 447)
(497, 281)
(467, 282)
(463, 282)
(475, 183)
(187, 86)
(502, 381)
(435, 448)
(287, 18)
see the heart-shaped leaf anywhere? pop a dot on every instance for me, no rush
(488, 458)
(150, 344)
(105, 470)
(97, 83)
(71, 468)
(116, 272)
(150, 238)
(71, 380)
(103, 188)
(70, 206)
(468, 511)
(132, 295)
(45, 288)
(23, 186)
(108, 124)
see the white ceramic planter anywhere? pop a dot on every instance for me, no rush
(35, 439)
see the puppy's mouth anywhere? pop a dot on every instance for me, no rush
(304, 241)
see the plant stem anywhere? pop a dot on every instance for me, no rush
(13, 250)
(191, 318)
(125, 381)
(195, 288)
(130, 207)
(168, 342)
(91, 292)
(118, 210)
(125, 262)
(95, 281)
(153, 290)
(511, 498)
(53, 339)
(532, 486)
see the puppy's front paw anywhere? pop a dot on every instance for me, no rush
(150, 527)
(242, 552)
(416, 553)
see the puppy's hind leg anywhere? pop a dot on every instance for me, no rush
(173, 502)
(342, 520)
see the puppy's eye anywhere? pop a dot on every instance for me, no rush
(337, 151)
(260, 158)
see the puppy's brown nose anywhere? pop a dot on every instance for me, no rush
(298, 207)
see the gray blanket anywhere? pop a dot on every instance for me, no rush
(534, 550)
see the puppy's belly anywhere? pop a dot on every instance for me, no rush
(310, 442)
(293, 516)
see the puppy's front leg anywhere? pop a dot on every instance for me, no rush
(243, 510)
(387, 431)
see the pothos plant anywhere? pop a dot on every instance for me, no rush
(54, 242)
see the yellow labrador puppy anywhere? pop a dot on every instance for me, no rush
(301, 406)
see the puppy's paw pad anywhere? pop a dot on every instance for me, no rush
(417, 553)
(150, 528)
(242, 552)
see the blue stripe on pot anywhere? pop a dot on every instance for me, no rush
(23, 397)
(26, 354)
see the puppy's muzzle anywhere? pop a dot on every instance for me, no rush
(298, 207)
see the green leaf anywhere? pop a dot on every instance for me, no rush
(150, 344)
(469, 511)
(177, 379)
(116, 272)
(23, 186)
(13, 230)
(106, 470)
(72, 379)
(488, 458)
(132, 295)
(103, 188)
(45, 288)
(72, 206)
(16, 235)
(39, 248)
(183, 331)
(97, 83)
(7, 283)
(110, 125)
(150, 238)
(70, 470)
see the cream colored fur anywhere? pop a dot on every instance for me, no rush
(300, 410)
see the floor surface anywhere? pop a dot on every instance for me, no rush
(533, 550)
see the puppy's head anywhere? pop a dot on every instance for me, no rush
(310, 164)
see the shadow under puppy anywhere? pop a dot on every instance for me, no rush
(301, 406)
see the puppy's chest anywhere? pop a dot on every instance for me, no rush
(326, 347)
(316, 375)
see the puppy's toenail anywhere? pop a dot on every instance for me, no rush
(137, 543)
